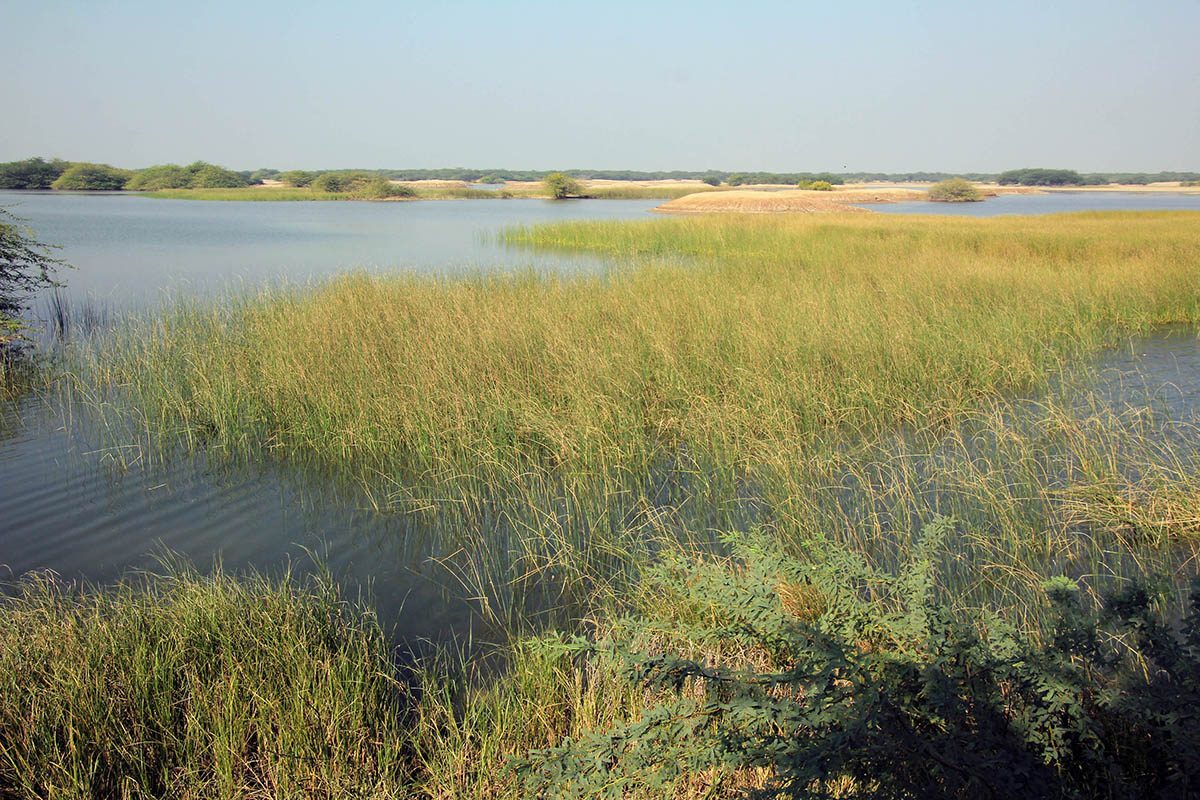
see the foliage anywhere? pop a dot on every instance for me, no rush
(210, 176)
(160, 176)
(185, 686)
(820, 186)
(25, 267)
(257, 177)
(198, 175)
(92, 177)
(1031, 176)
(955, 190)
(874, 683)
(359, 186)
(32, 173)
(560, 186)
(711, 180)
(298, 177)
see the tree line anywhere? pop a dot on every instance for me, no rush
(38, 173)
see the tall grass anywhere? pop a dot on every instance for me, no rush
(579, 424)
(183, 686)
(835, 379)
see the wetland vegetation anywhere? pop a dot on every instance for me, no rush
(857, 458)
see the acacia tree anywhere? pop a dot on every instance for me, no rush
(561, 186)
(25, 267)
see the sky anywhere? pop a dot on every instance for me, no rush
(849, 86)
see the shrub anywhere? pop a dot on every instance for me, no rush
(360, 186)
(92, 177)
(560, 186)
(871, 680)
(32, 173)
(162, 176)
(955, 190)
(735, 179)
(298, 177)
(210, 176)
(711, 180)
(25, 267)
(821, 186)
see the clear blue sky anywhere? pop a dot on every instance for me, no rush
(782, 86)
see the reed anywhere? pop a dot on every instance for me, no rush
(185, 686)
(563, 430)
(833, 379)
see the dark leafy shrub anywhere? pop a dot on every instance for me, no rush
(871, 685)
(32, 173)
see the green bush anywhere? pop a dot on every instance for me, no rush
(210, 176)
(360, 186)
(853, 677)
(298, 177)
(955, 190)
(821, 186)
(162, 176)
(32, 173)
(561, 186)
(92, 177)
(25, 267)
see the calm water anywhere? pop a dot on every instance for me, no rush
(65, 504)
(131, 249)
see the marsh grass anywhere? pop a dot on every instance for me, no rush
(840, 380)
(184, 686)
(718, 370)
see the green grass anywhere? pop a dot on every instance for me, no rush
(183, 686)
(590, 419)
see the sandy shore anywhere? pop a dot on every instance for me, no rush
(752, 201)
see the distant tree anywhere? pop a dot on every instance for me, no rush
(161, 176)
(711, 180)
(821, 186)
(735, 179)
(560, 186)
(297, 177)
(955, 190)
(360, 186)
(210, 176)
(32, 173)
(92, 178)
(25, 267)
(1038, 176)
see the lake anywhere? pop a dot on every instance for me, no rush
(66, 503)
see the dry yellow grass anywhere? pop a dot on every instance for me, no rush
(757, 202)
